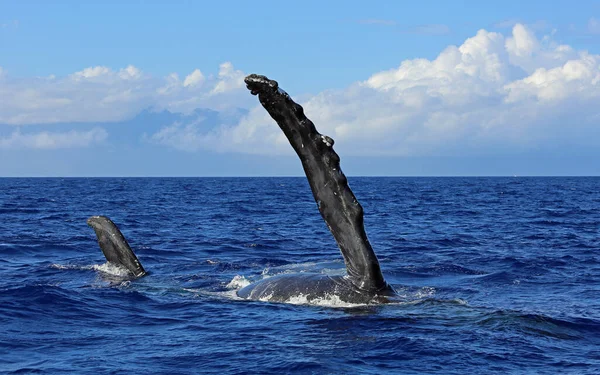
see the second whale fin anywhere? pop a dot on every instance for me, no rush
(114, 245)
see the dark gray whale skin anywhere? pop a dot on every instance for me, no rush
(364, 282)
(114, 246)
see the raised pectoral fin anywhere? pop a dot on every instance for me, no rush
(338, 205)
(114, 245)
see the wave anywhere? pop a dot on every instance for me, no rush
(539, 324)
(46, 301)
(107, 268)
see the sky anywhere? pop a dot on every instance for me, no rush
(405, 88)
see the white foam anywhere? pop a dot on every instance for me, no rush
(266, 298)
(112, 269)
(70, 267)
(231, 294)
(330, 300)
(238, 282)
(425, 292)
(265, 272)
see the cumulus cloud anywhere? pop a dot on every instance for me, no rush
(131, 72)
(195, 78)
(100, 94)
(528, 53)
(106, 75)
(91, 72)
(492, 94)
(254, 131)
(229, 79)
(53, 140)
(185, 137)
(170, 86)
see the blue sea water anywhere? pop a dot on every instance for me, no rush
(497, 275)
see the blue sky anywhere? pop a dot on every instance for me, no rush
(405, 88)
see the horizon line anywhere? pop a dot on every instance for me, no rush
(302, 176)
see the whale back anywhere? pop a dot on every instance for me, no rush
(114, 246)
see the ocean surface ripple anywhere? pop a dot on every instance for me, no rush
(496, 275)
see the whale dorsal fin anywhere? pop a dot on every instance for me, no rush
(338, 205)
(114, 245)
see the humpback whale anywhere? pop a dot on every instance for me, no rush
(341, 211)
(364, 282)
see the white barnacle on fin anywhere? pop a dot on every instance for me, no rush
(327, 140)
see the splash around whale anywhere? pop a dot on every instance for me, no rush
(363, 283)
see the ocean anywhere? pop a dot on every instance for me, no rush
(497, 275)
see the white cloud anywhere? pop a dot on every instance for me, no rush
(195, 78)
(493, 93)
(105, 75)
(254, 132)
(186, 137)
(578, 78)
(528, 53)
(99, 94)
(229, 79)
(171, 86)
(53, 140)
(131, 72)
(91, 72)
